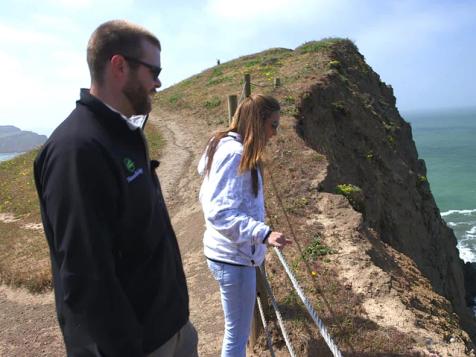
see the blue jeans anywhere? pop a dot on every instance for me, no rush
(238, 295)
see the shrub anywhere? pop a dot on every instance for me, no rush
(354, 194)
(212, 103)
(334, 64)
(316, 249)
(315, 46)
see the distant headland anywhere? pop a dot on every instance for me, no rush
(13, 139)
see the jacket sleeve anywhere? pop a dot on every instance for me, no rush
(79, 193)
(228, 190)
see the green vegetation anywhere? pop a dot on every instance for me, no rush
(252, 63)
(212, 103)
(315, 46)
(422, 179)
(17, 186)
(154, 139)
(288, 100)
(213, 81)
(354, 194)
(217, 77)
(347, 189)
(391, 140)
(173, 99)
(338, 107)
(217, 72)
(334, 64)
(292, 298)
(24, 259)
(316, 249)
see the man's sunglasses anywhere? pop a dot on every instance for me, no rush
(154, 70)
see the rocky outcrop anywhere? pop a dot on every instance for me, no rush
(350, 116)
(13, 139)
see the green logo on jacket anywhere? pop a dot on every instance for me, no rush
(129, 164)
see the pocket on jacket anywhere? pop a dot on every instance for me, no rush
(216, 269)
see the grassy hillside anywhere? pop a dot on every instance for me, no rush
(24, 257)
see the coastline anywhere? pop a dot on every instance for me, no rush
(5, 156)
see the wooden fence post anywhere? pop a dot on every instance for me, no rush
(247, 85)
(256, 324)
(232, 104)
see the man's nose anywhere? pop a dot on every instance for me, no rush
(157, 83)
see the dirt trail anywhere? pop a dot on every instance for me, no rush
(28, 325)
(180, 183)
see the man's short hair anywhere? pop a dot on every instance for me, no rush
(112, 38)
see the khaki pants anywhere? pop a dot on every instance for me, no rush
(182, 344)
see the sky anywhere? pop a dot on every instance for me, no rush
(425, 49)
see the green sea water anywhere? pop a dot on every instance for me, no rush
(446, 140)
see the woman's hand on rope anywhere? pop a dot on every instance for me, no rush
(278, 240)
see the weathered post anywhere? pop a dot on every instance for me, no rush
(256, 324)
(247, 85)
(232, 104)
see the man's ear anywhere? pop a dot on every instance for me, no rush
(118, 66)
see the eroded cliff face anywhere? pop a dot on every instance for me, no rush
(350, 116)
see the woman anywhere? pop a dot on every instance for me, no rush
(233, 205)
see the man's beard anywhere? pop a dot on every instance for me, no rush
(137, 96)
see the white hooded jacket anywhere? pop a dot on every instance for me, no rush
(234, 216)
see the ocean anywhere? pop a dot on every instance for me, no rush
(446, 140)
(5, 156)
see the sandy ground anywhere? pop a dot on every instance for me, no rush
(28, 325)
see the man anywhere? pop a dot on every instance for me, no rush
(119, 284)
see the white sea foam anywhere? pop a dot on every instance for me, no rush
(472, 232)
(455, 224)
(466, 253)
(466, 212)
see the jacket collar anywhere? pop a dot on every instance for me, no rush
(108, 117)
(235, 136)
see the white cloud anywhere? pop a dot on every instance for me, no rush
(18, 35)
(90, 4)
(275, 12)
(55, 24)
(71, 4)
(409, 27)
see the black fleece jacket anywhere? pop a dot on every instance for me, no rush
(119, 283)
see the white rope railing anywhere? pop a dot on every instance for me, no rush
(320, 325)
(278, 314)
(265, 327)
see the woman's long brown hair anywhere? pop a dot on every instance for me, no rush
(249, 122)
